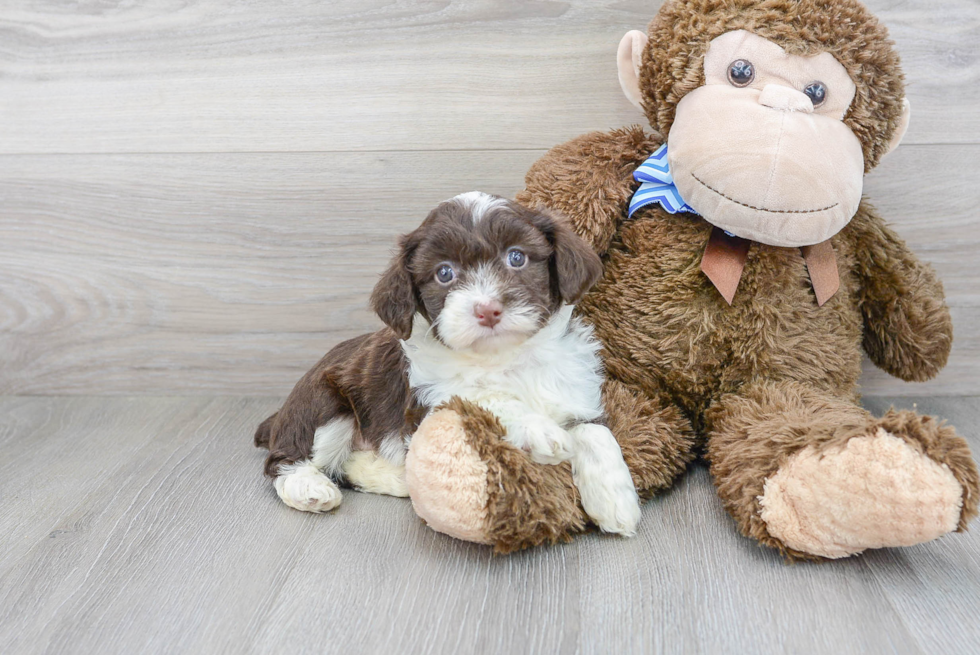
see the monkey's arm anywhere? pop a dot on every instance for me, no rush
(590, 180)
(907, 328)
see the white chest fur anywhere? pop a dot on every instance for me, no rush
(557, 372)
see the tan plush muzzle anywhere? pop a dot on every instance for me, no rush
(756, 187)
(756, 156)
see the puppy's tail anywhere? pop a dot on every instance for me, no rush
(264, 432)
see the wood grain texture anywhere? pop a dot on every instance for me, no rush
(233, 273)
(276, 150)
(185, 272)
(144, 525)
(227, 76)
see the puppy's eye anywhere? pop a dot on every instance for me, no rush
(817, 92)
(516, 258)
(741, 72)
(445, 274)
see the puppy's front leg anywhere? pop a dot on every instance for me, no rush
(603, 480)
(546, 441)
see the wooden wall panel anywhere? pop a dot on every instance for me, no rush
(224, 76)
(229, 273)
(232, 273)
(197, 196)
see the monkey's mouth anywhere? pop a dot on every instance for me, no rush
(761, 209)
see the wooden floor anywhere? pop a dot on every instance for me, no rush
(142, 525)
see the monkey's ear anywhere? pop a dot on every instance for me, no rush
(628, 60)
(395, 298)
(902, 127)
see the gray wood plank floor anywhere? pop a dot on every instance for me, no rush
(142, 525)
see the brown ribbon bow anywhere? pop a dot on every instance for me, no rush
(724, 259)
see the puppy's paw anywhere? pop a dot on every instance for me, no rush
(306, 488)
(612, 505)
(604, 481)
(546, 441)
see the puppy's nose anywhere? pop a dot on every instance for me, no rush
(488, 313)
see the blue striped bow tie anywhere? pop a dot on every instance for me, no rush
(657, 185)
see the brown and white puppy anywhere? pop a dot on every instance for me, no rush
(478, 304)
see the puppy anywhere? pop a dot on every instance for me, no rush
(478, 304)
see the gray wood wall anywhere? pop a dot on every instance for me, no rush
(197, 196)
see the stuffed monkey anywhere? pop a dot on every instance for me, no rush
(743, 275)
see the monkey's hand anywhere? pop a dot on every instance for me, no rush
(590, 180)
(908, 331)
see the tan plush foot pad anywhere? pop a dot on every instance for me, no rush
(446, 478)
(876, 492)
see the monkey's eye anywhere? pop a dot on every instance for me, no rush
(741, 72)
(445, 274)
(817, 91)
(516, 258)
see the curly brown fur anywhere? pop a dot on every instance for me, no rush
(657, 440)
(591, 177)
(654, 309)
(907, 327)
(682, 30)
(772, 373)
(667, 331)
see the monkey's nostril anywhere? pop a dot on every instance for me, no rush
(784, 98)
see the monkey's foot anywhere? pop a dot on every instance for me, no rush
(467, 482)
(876, 491)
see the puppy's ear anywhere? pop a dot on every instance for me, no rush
(578, 266)
(395, 298)
(574, 264)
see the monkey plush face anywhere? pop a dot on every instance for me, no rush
(760, 149)
(770, 124)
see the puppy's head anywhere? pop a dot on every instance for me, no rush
(483, 270)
